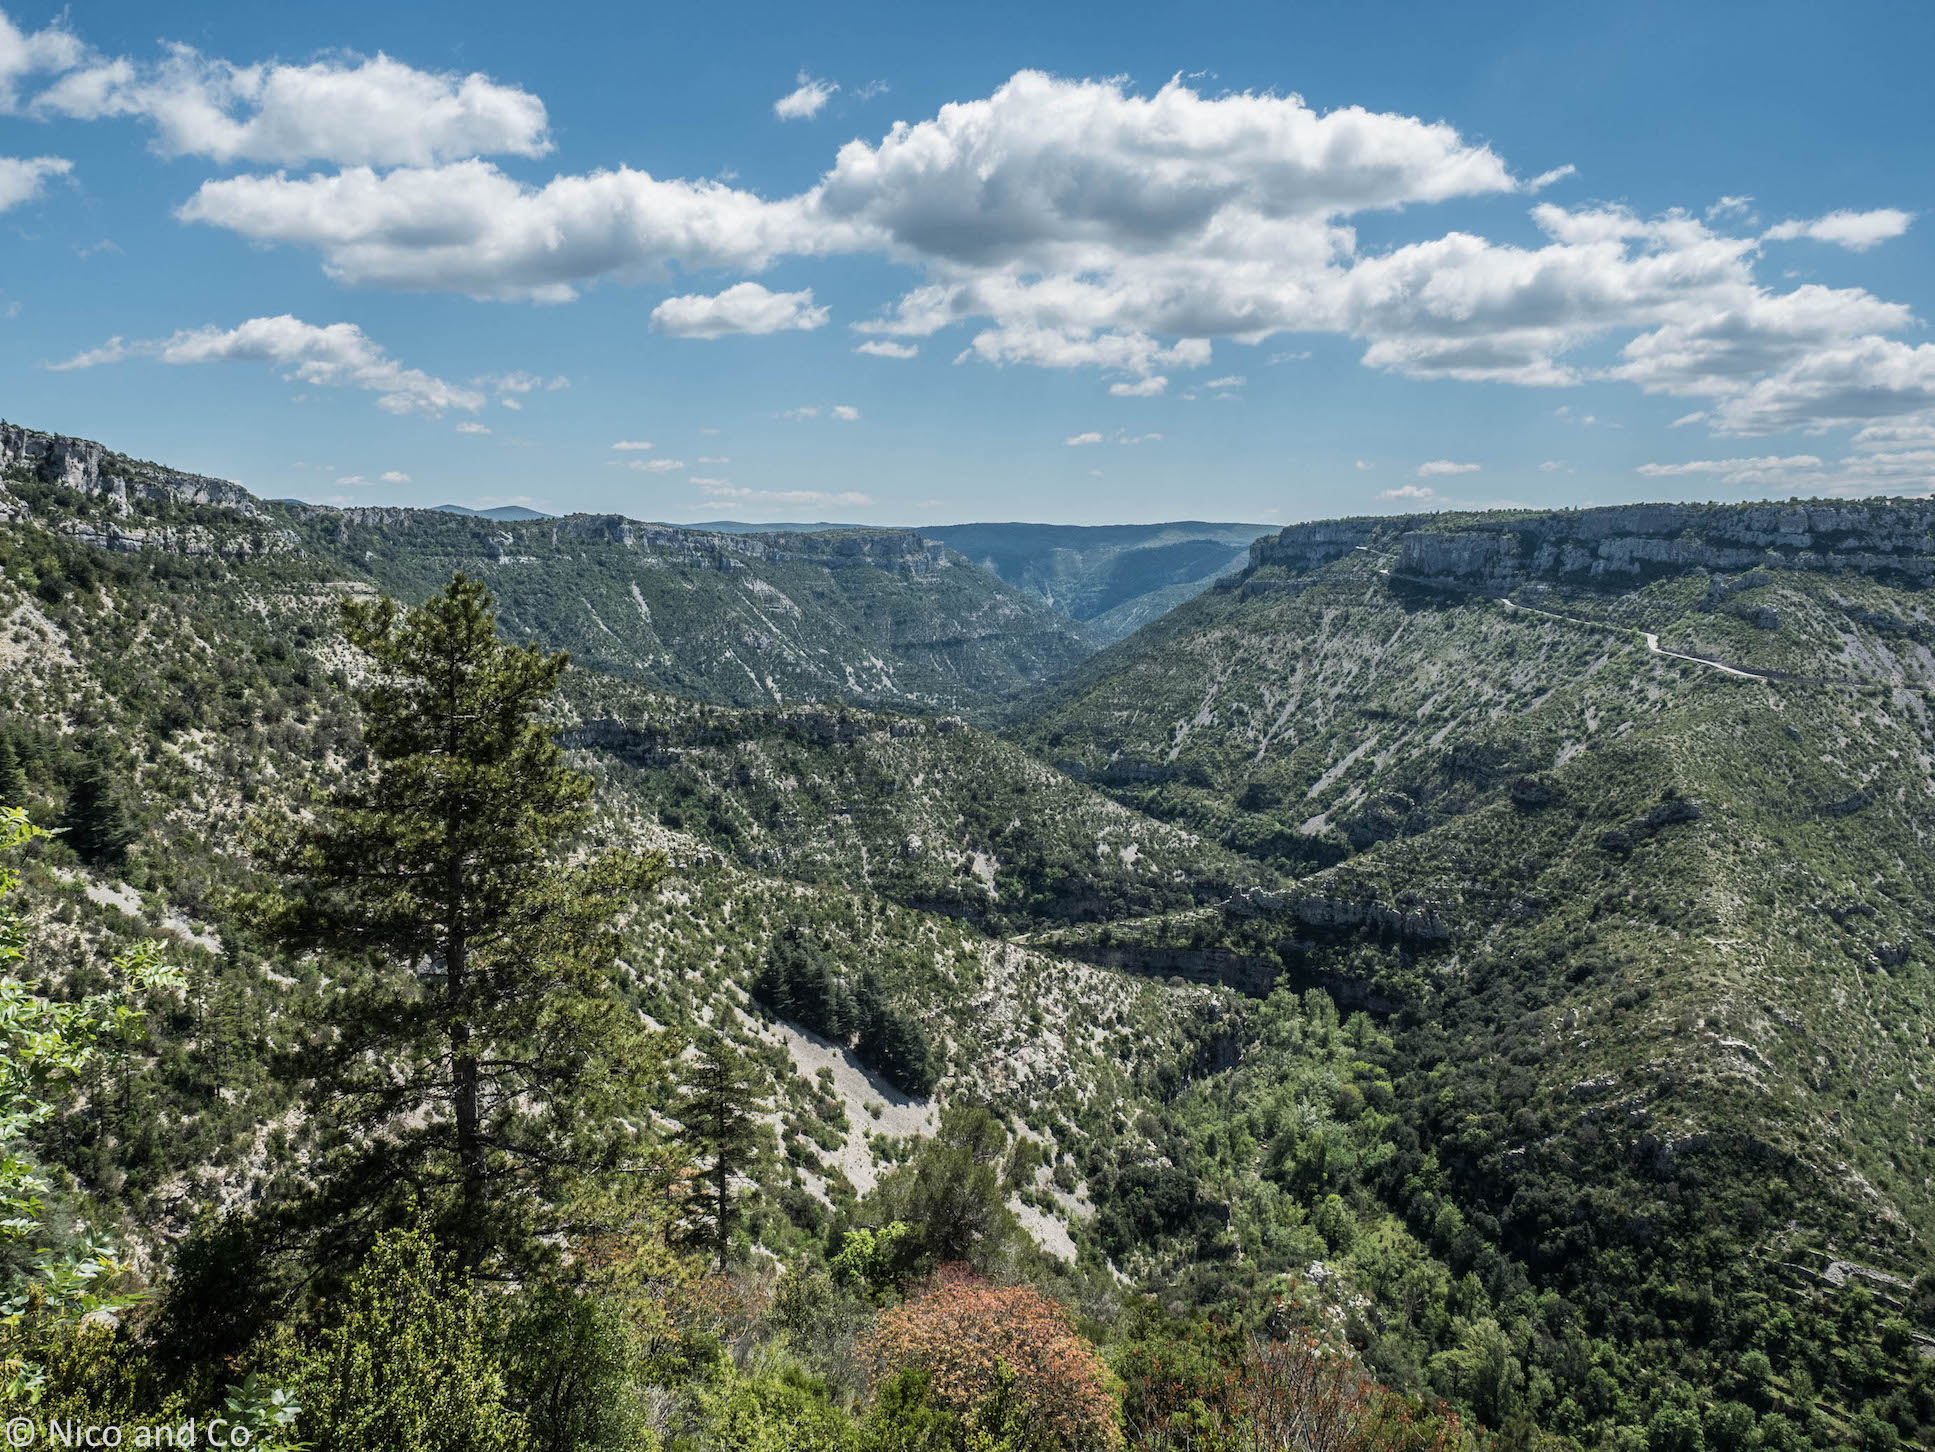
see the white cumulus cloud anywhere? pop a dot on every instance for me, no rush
(1867, 470)
(1433, 468)
(805, 100)
(29, 53)
(1838, 384)
(1076, 441)
(23, 178)
(1410, 491)
(339, 355)
(886, 348)
(1856, 231)
(846, 413)
(745, 307)
(348, 111)
(1079, 224)
(1732, 471)
(467, 227)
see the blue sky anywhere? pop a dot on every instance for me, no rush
(1120, 262)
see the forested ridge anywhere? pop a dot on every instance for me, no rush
(1348, 1013)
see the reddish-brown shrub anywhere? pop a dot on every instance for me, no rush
(964, 1333)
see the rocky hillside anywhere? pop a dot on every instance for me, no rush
(878, 617)
(1506, 937)
(207, 696)
(124, 484)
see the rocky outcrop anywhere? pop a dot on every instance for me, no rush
(1306, 546)
(1668, 813)
(1418, 924)
(1531, 793)
(1625, 543)
(1463, 555)
(185, 539)
(85, 466)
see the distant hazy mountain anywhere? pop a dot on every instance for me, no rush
(1115, 578)
(503, 511)
(740, 526)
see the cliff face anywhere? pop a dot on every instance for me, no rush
(1306, 546)
(1627, 543)
(1618, 545)
(85, 466)
(900, 551)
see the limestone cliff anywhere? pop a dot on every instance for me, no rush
(1627, 543)
(1617, 545)
(83, 465)
(901, 551)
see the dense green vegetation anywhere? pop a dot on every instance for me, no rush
(1351, 997)
(939, 815)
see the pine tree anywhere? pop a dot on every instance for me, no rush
(96, 824)
(800, 981)
(893, 1041)
(717, 1113)
(13, 777)
(482, 1063)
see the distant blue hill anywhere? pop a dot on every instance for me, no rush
(740, 526)
(503, 511)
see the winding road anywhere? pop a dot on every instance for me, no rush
(1652, 640)
(1652, 644)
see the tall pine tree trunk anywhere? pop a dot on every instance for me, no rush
(722, 1169)
(463, 1071)
(470, 1139)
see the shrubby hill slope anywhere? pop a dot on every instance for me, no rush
(875, 616)
(1622, 817)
